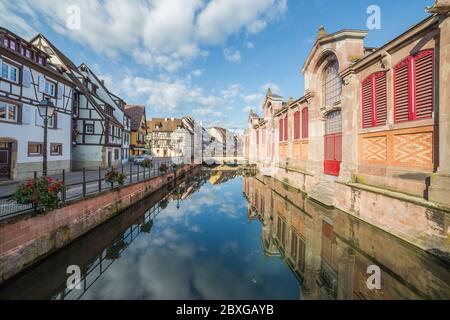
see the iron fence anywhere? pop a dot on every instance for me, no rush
(84, 183)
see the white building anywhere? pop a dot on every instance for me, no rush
(27, 77)
(99, 118)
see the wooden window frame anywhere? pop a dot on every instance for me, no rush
(33, 154)
(18, 112)
(60, 149)
(305, 123)
(374, 99)
(88, 125)
(412, 94)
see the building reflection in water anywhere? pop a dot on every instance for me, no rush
(330, 251)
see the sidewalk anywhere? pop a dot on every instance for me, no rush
(7, 187)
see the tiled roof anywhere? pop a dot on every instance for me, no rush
(166, 124)
(135, 112)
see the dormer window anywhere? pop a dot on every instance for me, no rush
(26, 53)
(40, 59)
(10, 44)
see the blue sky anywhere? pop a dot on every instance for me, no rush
(211, 59)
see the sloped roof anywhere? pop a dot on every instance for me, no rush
(167, 124)
(135, 112)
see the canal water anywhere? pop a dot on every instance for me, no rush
(222, 236)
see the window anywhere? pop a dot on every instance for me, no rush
(297, 125)
(34, 149)
(374, 100)
(11, 44)
(26, 52)
(8, 112)
(294, 246)
(89, 128)
(286, 128)
(50, 88)
(414, 87)
(116, 154)
(56, 149)
(10, 72)
(332, 85)
(40, 59)
(280, 129)
(305, 124)
(257, 137)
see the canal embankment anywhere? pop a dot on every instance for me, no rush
(28, 239)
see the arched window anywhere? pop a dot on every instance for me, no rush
(332, 84)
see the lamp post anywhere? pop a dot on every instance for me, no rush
(46, 110)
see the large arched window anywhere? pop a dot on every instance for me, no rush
(332, 84)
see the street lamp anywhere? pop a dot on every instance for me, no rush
(46, 110)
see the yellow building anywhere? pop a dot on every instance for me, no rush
(138, 129)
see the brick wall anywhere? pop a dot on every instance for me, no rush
(26, 240)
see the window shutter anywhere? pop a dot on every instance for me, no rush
(26, 115)
(26, 78)
(367, 102)
(38, 120)
(257, 137)
(424, 84)
(280, 129)
(60, 91)
(41, 84)
(401, 91)
(380, 99)
(286, 128)
(305, 124)
(55, 121)
(297, 125)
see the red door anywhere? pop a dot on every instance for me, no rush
(333, 144)
(333, 154)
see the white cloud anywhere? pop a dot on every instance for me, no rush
(249, 45)
(253, 98)
(197, 72)
(272, 86)
(232, 91)
(232, 55)
(165, 34)
(247, 109)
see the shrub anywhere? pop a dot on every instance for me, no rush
(163, 168)
(147, 163)
(42, 194)
(114, 176)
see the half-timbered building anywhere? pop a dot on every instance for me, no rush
(99, 119)
(28, 77)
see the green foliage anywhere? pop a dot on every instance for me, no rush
(42, 194)
(163, 168)
(147, 163)
(114, 176)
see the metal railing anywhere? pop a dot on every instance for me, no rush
(84, 183)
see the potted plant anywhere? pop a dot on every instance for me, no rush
(42, 193)
(163, 168)
(147, 163)
(114, 176)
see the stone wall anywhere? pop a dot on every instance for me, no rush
(28, 239)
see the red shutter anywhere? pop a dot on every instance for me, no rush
(367, 102)
(305, 129)
(257, 137)
(380, 99)
(297, 125)
(402, 91)
(286, 128)
(424, 84)
(280, 128)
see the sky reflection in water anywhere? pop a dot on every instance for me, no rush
(206, 249)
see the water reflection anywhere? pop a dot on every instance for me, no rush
(330, 251)
(203, 240)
